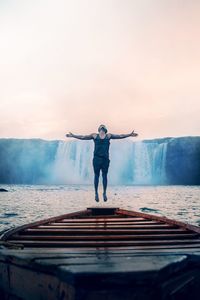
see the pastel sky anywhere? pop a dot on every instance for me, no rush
(72, 65)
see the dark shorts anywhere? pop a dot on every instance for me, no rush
(100, 163)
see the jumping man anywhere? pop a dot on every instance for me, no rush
(101, 159)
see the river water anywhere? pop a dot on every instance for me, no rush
(27, 203)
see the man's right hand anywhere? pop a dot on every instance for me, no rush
(69, 134)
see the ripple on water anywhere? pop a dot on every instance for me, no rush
(150, 210)
(9, 215)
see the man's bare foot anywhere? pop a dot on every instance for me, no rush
(97, 197)
(105, 197)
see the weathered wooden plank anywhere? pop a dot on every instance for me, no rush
(103, 223)
(103, 216)
(107, 231)
(105, 237)
(149, 225)
(105, 243)
(158, 218)
(139, 262)
(87, 220)
(102, 250)
(136, 265)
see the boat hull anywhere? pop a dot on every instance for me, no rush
(156, 260)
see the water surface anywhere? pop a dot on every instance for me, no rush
(28, 203)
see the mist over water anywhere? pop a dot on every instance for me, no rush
(130, 163)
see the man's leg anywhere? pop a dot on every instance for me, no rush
(104, 176)
(96, 178)
(96, 183)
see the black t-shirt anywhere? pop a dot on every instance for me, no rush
(101, 147)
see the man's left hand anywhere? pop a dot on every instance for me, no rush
(133, 133)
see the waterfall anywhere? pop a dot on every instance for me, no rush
(130, 162)
(157, 161)
(73, 163)
(142, 163)
(150, 163)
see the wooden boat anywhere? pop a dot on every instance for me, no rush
(101, 253)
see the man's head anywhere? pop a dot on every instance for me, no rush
(102, 128)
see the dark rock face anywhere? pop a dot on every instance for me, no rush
(183, 161)
(26, 161)
(3, 190)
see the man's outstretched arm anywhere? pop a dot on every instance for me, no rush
(81, 137)
(122, 136)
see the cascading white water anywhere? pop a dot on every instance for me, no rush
(130, 163)
(142, 163)
(73, 163)
(159, 163)
(150, 163)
